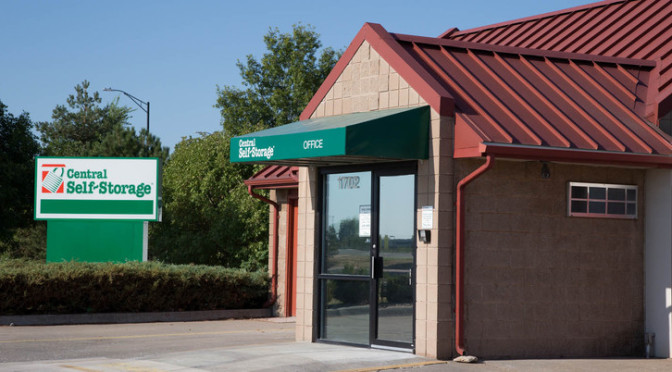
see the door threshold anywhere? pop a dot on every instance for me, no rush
(393, 348)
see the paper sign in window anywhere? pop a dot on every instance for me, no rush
(364, 221)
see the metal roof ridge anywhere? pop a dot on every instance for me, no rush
(524, 51)
(540, 16)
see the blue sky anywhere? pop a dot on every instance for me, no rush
(175, 53)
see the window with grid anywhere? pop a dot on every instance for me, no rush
(602, 200)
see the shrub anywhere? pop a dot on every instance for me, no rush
(28, 242)
(30, 287)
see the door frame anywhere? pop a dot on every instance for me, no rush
(384, 169)
(375, 254)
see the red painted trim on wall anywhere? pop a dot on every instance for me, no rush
(291, 255)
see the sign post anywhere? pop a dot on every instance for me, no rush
(96, 208)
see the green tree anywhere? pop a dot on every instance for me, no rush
(18, 147)
(279, 86)
(85, 128)
(208, 217)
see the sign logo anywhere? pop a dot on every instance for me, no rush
(248, 149)
(52, 178)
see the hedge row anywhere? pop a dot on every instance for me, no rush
(29, 287)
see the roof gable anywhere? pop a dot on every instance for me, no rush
(398, 59)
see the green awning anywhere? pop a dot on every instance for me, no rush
(386, 135)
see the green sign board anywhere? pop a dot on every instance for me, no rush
(96, 241)
(96, 188)
(329, 142)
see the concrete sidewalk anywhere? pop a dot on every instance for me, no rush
(324, 357)
(276, 357)
(236, 345)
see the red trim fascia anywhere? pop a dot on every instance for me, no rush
(275, 186)
(467, 152)
(411, 70)
(524, 51)
(459, 253)
(568, 155)
(272, 184)
(540, 16)
(399, 59)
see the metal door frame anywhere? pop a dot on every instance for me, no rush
(377, 170)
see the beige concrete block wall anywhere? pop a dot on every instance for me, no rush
(368, 84)
(306, 312)
(434, 260)
(541, 284)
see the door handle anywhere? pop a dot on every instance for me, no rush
(376, 267)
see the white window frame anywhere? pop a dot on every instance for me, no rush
(606, 186)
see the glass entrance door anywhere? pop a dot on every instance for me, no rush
(345, 274)
(394, 261)
(367, 258)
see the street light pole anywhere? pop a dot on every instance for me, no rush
(138, 102)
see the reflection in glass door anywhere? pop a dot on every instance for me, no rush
(367, 258)
(346, 252)
(395, 253)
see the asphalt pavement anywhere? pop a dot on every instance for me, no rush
(236, 345)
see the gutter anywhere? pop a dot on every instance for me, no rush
(459, 254)
(566, 155)
(274, 267)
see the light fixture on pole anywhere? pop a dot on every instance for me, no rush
(142, 104)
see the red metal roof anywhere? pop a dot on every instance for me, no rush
(540, 98)
(528, 99)
(640, 29)
(275, 177)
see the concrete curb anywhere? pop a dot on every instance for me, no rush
(111, 318)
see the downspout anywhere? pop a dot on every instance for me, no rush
(274, 267)
(459, 254)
